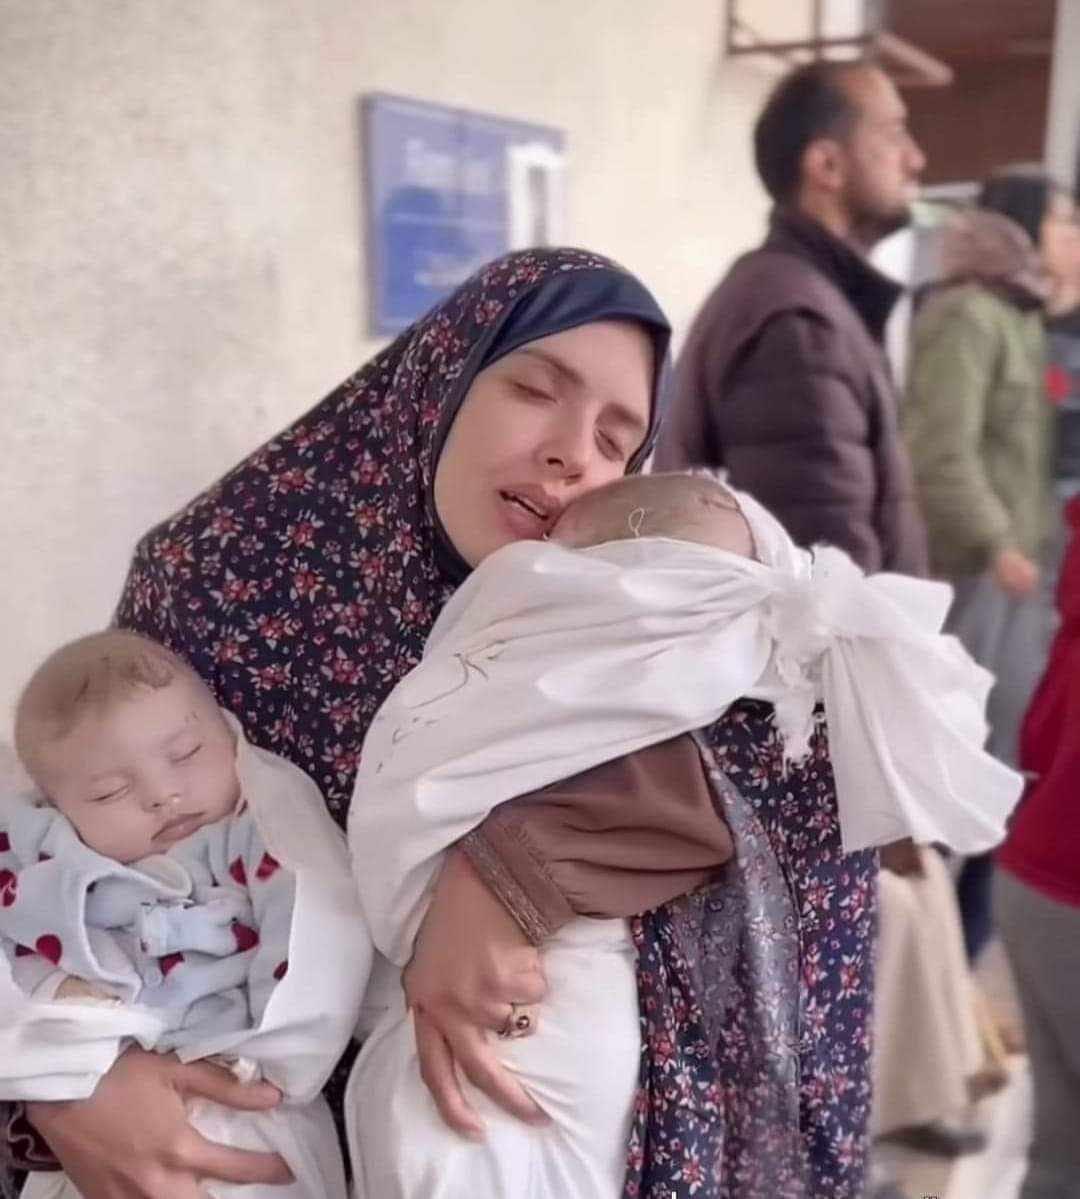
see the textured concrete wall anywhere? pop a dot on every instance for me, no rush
(180, 216)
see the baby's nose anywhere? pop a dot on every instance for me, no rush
(164, 798)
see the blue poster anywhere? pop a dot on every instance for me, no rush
(446, 190)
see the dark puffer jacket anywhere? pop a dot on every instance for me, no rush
(784, 382)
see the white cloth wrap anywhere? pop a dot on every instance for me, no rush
(549, 661)
(54, 1050)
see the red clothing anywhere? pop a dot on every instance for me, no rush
(1043, 845)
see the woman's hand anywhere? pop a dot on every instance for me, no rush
(471, 961)
(131, 1138)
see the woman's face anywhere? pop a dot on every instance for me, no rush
(549, 421)
(1059, 238)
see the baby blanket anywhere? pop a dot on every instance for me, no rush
(266, 968)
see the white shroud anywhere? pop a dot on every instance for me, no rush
(549, 661)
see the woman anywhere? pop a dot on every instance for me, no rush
(977, 422)
(302, 587)
(1063, 380)
(1037, 897)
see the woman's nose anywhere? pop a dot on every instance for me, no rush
(567, 451)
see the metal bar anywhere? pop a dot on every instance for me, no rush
(825, 43)
(919, 67)
(929, 71)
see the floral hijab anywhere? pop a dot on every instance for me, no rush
(303, 584)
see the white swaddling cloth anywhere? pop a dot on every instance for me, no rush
(549, 661)
(55, 1050)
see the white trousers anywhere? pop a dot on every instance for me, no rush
(581, 1067)
(926, 1036)
(303, 1135)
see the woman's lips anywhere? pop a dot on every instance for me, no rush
(522, 522)
(522, 516)
(529, 511)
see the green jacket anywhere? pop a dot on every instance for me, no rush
(977, 423)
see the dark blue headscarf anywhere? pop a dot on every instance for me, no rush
(304, 583)
(558, 301)
(568, 299)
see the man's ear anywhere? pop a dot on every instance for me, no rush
(824, 165)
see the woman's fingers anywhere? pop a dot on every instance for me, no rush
(484, 999)
(222, 1163)
(482, 1008)
(467, 1048)
(472, 971)
(521, 1020)
(440, 1078)
(476, 1059)
(486, 1006)
(470, 956)
(205, 1080)
(131, 1138)
(524, 986)
(209, 1159)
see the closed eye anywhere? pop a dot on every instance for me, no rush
(534, 393)
(189, 755)
(609, 446)
(109, 795)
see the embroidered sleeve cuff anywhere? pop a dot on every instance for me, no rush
(511, 867)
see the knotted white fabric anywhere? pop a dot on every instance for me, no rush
(549, 661)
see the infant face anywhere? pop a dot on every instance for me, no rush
(570, 530)
(145, 772)
(674, 507)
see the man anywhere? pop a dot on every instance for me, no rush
(783, 380)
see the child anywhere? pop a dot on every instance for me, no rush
(160, 890)
(651, 620)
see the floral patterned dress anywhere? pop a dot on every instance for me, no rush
(755, 993)
(302, 585)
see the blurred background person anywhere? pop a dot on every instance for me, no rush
(929, 1056)
(783, 380)
(1063, 373)
(1037, 898)
(978, 424)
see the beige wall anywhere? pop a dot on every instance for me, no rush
(180, 212)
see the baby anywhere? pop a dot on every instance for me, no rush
(683, 507)
(158, 873)
(562, 682)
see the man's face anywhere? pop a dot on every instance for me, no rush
(882, 162)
